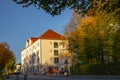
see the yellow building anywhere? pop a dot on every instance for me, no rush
(49, 49)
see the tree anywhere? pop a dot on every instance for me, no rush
(107, 5)
(94, 39)
(72, 25)
(90, 39)
(115, 45)
(55, 7)
(7, 58)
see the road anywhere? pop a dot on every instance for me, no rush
(30, 77)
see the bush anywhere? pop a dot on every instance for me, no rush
(96, 69)
(75, 70)
(2, 77)
(106, 68)
(84, 69)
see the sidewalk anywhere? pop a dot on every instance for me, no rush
(13, 77)
(80, 76)
(96, 76)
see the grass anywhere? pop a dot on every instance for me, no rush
(2, 77)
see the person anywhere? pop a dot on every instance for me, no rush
(25, 76)
(7, 77)
(62, 72)
(17, 76)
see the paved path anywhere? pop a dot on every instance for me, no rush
(33, 77)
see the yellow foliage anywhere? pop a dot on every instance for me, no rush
(87, 21)
(92, 27)
(65, 54)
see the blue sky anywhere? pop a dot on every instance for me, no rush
(17, 24)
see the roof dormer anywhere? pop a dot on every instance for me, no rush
(30, 41)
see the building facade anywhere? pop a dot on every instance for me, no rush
(18, 67)
(49, 49)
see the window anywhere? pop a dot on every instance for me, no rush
(37, 59)
(37, 44)
(63, 44)
(51, 51)
(38, 56)
(50, 42)
(33, 58)
(55, 52)
(56, 60)
(55, 44)
(38, 53)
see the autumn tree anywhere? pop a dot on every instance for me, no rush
(112, 8)
(7, 58)
(101, 13)
(107, 5)
(115, 45)
(95, 38)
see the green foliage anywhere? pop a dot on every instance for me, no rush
(96, 69)
(89, 40)
(115, 38)
(2, 77)
(7, 58)
(107, 5)
(106, 68)
(75, 70)
(96, 40)
(54, 7)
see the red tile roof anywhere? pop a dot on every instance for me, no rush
(33, 39)
(50, 34)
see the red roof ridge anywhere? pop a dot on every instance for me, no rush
(50, 34)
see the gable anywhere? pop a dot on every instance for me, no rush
(50, 34)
